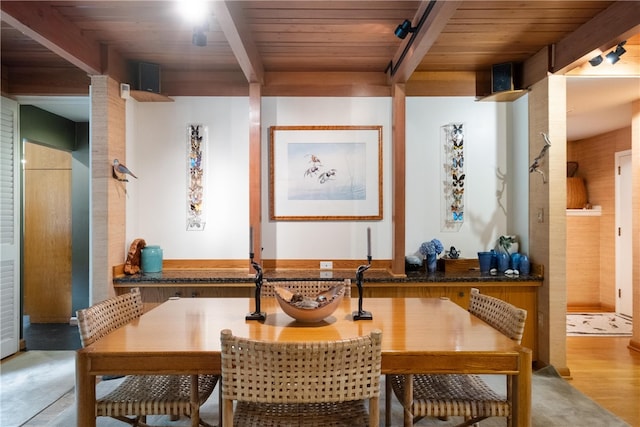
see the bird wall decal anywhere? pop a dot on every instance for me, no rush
(120, 171)
(535, 166)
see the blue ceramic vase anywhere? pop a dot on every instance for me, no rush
(503, 261)
(431, 261)
(525, 265)
(151, 259)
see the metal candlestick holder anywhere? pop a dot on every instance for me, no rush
(257, 314)
(361, 314)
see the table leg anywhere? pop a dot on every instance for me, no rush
(387, 400)
(408, 400)
(521, 403)
(195, 402)
(85, 392)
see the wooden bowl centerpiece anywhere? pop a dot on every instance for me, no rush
(309, 308)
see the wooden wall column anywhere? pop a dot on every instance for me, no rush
(108, 197)
(398, 204)
(634, 343)
(547, 216)
(255, 169)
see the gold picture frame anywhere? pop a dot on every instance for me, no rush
(325, 173)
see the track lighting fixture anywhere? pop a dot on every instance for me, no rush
(612, 57)
(596, 60)
(401, 32)
(199, 38)
(403, 29)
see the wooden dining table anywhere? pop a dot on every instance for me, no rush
(419, 335)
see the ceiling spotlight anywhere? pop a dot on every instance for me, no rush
(403, 29)
(614, 55)
(199, 38)
(596, 60)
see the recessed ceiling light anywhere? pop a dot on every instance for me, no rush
(194, 11)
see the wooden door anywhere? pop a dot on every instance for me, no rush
(47, 234)
(624, 235)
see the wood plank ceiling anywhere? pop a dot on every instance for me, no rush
(298, 47)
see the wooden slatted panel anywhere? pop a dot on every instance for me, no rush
(152, 31)
(297, 36)
(9, 226)
(327, 36)
(481, 34)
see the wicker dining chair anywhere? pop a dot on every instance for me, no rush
(321, 383)
(140, 395)
(306, 287)
(459, 395)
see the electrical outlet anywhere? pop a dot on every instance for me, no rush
(540, 321)
(540, 215)
(326, 265)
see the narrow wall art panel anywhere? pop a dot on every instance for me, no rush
(453, 176)
(196, 146)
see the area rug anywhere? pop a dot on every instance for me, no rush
(31, 381)
(554, 403)
(598, 324)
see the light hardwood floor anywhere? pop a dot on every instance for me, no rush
(607, 371)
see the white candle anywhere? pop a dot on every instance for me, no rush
(368, 241)
(250, 240)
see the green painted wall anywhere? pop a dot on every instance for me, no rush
(40, 126)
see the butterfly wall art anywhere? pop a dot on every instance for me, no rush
(196, 140)
(453, 176)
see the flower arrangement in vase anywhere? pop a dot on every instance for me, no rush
(430, 251)
(507, 244)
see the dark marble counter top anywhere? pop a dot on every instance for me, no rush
(222, 276)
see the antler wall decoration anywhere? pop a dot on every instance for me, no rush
(535, 166)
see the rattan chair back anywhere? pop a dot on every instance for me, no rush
(305, 287)
(274, 377)
(456, 395)
(106, 316)
(505, 317)
(141, 395)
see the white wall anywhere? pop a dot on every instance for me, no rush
(329, 240)
(156, 152)
(485, 164)
(519, 171)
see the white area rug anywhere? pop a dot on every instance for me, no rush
(598, 324)
(31, 381)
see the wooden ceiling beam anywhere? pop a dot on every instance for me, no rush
(321, 83)
(45, 25)
(613, 25)
(45, 81)
(406, 60)
(235, 28)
